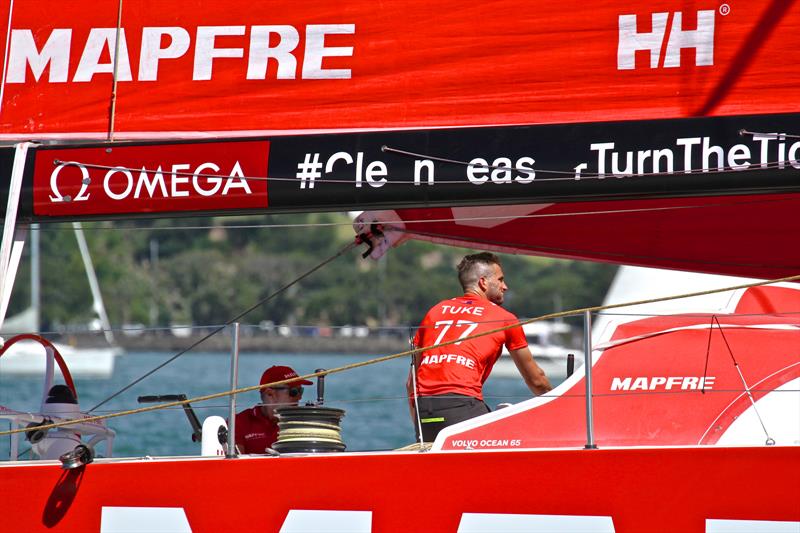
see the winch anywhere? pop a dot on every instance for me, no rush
(311, 428)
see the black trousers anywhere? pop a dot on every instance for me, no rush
(438, 412)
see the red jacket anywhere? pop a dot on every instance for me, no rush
(461, 368)
(254, 431)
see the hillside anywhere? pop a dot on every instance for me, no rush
(196, 272)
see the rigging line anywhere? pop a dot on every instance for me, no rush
(770, 440)
(595, 212)
(708, 354)
(125, 329)
(406, 353)
(487, 166)
(495, 244)
(771, 136)
(725, 339)
(262, 301)
(113, 107)
(777, 314)
(593, 175)
(765, 325)
(5, 55)
(404, 328)
(740, 62)
(790, 164)
(413, 377)
(106, 227)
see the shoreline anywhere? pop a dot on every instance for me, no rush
(222, 342)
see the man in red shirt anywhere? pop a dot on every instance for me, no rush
(257, 427)
(449, 379)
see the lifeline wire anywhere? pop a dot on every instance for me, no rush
(264, 300)
(384, 358)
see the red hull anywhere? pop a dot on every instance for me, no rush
(647, 489)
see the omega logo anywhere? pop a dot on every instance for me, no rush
(82, 195)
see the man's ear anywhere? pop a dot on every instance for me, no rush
(482, 283)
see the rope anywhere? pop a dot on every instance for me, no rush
(417, 418)
(772, 136)
(589, 175)
(113, 111)
(708, 353)
(413, 351)
(770, 441)
(264, 300)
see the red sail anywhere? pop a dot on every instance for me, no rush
(734, 235)
(208, 67)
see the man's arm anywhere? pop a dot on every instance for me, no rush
(533, 375)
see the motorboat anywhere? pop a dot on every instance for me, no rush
(549, 343)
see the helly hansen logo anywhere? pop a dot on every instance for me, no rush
(666, 31)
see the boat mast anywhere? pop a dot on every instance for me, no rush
(97, 297)
(36, 299)
(13, 238)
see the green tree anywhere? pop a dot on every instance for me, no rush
(192, 273)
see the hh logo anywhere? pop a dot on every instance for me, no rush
(631, 40)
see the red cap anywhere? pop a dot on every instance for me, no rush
(280, 373)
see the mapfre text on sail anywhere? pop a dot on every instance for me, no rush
(325, 52)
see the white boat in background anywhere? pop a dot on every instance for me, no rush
(27, 358)
(632, 283)
(551, 344)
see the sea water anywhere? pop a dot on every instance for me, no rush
(374, 398)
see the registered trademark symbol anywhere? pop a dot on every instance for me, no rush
(724, 9)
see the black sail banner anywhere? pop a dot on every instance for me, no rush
(560, 163)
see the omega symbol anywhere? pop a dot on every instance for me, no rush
(82, 195)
